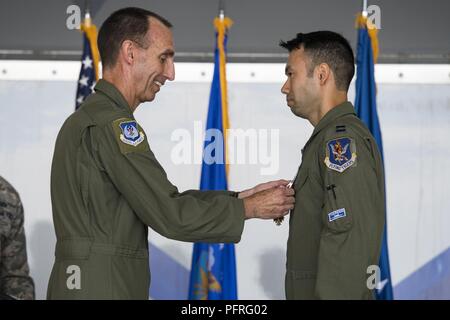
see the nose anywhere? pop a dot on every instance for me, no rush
(285, 88)
(169, 70)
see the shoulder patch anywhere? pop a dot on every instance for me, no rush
(340, 154)
(130, 133)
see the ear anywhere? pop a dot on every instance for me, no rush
(323, 73)
(127, 52)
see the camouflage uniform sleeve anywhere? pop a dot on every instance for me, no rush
(15, 280)
(352, 217)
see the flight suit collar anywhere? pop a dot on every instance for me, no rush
(337, 112)
(109, 90)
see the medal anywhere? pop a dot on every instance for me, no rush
(279, 221)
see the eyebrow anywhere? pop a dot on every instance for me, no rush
(168, 52)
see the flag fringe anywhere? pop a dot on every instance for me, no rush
(222, 26)
(91, 33)
(363, 22)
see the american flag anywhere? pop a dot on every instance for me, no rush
(87, 78)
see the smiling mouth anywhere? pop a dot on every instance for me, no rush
(159, 84)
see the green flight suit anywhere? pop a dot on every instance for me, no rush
(107, 187)
(336, 226)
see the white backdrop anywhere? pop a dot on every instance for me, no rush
(415, 123)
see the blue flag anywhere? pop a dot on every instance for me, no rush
(366, 109)
(89, 63)
(213, 273)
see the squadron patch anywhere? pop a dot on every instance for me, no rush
(130, 133)
(340, 154)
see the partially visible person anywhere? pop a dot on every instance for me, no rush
(15, 280)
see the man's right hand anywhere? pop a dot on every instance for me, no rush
(269, 204)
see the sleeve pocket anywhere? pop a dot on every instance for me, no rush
(336, 213)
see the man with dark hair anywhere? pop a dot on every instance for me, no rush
(336, 226)
(328, 47)
(107, 187)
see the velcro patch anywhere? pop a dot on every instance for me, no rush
(129, 136)
(337, 214)
(340, 154)
(130, 133)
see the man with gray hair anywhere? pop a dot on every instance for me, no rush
(108, 187)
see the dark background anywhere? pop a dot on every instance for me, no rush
(412, 31)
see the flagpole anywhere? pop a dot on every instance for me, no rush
(87, 15)
(364, 11)
(221, 9)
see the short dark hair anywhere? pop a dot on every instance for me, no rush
(326, 47)
(125, 24)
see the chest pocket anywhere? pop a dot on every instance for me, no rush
(301, 178)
